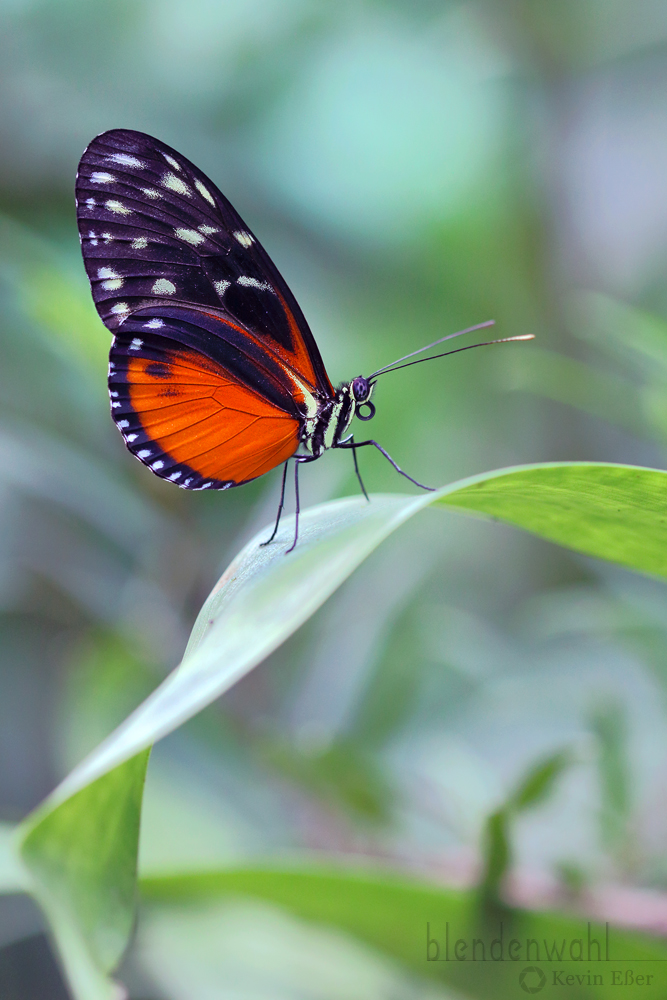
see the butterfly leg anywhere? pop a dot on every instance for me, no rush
(297, 509)
(363, 444)
(280, 508)
(356, 469)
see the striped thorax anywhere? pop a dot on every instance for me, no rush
(334, 416)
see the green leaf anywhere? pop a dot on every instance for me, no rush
(533, 789)
(614, 512)
(82, 858)
(609, 726)
(610, 511)
(399, 917)
(539, 783)
(340, 774)
(13, 877)
(497, 853)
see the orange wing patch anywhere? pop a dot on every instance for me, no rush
(203, 418)
(296, 362)
(300, 360)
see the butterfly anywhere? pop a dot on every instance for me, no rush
(214, 375)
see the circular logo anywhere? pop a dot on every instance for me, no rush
(532, 979)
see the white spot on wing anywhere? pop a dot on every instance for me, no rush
(157, 465)
(207, 230)
(114, 405)
(154, 324)
(175, 183)
(221, 287)
(90, 202)
(108, 238)
(163, 287)
(190, 236)
(245, 239)
(144, 454)
(120, 307)
(140, 243)
(131, 437)
(117, 207)
(114, 280)
(123, 423)
(136, 344)
(126, 160)
(102, 177)
(151, 193)
(175, 475)
(204, 192)
(264, 286)
(171, 161)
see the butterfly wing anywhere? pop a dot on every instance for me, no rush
(189, 419)
(213, 370)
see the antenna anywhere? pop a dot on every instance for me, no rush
(441, 340)
(485, 343)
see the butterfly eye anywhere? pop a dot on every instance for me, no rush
(365, 406)
(360, 389)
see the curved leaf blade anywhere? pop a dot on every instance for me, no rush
(610, 511)
(261, 599)
(82, 862)
(419, 924)
(614, 512)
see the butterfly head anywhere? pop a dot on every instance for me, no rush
(362, 390)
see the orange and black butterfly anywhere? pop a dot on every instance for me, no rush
(214, 375)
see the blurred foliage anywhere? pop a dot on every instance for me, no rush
(198, 911)
(412, 168)
(608, 725)
(340, 774)
(532, 791)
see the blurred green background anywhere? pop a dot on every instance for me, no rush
(413, 167)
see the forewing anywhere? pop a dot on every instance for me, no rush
(155, 231)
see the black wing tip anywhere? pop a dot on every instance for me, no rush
(122, 133)
(127, 140)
